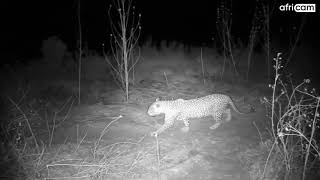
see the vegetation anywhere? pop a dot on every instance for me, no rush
(44, 134)
(123, 39)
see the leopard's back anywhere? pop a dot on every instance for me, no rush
(205, 106)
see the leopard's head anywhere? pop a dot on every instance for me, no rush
(155, 108)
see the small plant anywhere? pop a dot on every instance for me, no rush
(123, 40)
(27, 130)
(260, 35)
(296, 35)
(224, 25)
(79, 46)
(253, 160)
(266, 15)
(253, 36)
(294, 124)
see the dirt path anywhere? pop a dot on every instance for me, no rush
(200, 153)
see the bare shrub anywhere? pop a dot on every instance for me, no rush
(53, 50)
(294, 115)
(123, 39)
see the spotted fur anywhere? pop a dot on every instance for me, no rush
(215, 105)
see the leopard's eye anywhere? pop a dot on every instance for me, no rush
(157, 105)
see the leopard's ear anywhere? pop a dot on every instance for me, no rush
(158, 99)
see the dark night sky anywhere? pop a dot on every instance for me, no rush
(26, 23)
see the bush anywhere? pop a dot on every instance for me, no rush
(294, 115)
(53, 50)
(254, 160)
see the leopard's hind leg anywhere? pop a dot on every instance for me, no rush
(227, 115)
(185, 122)
(217, 116)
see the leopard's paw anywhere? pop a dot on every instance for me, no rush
(215, 126)
(154, 134)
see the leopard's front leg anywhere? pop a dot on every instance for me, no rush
(168, 122)
(185, 121)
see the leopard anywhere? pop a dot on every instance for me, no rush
(215, 105)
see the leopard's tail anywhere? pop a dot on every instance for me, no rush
(236, 109)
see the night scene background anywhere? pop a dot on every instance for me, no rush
(79, 79)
